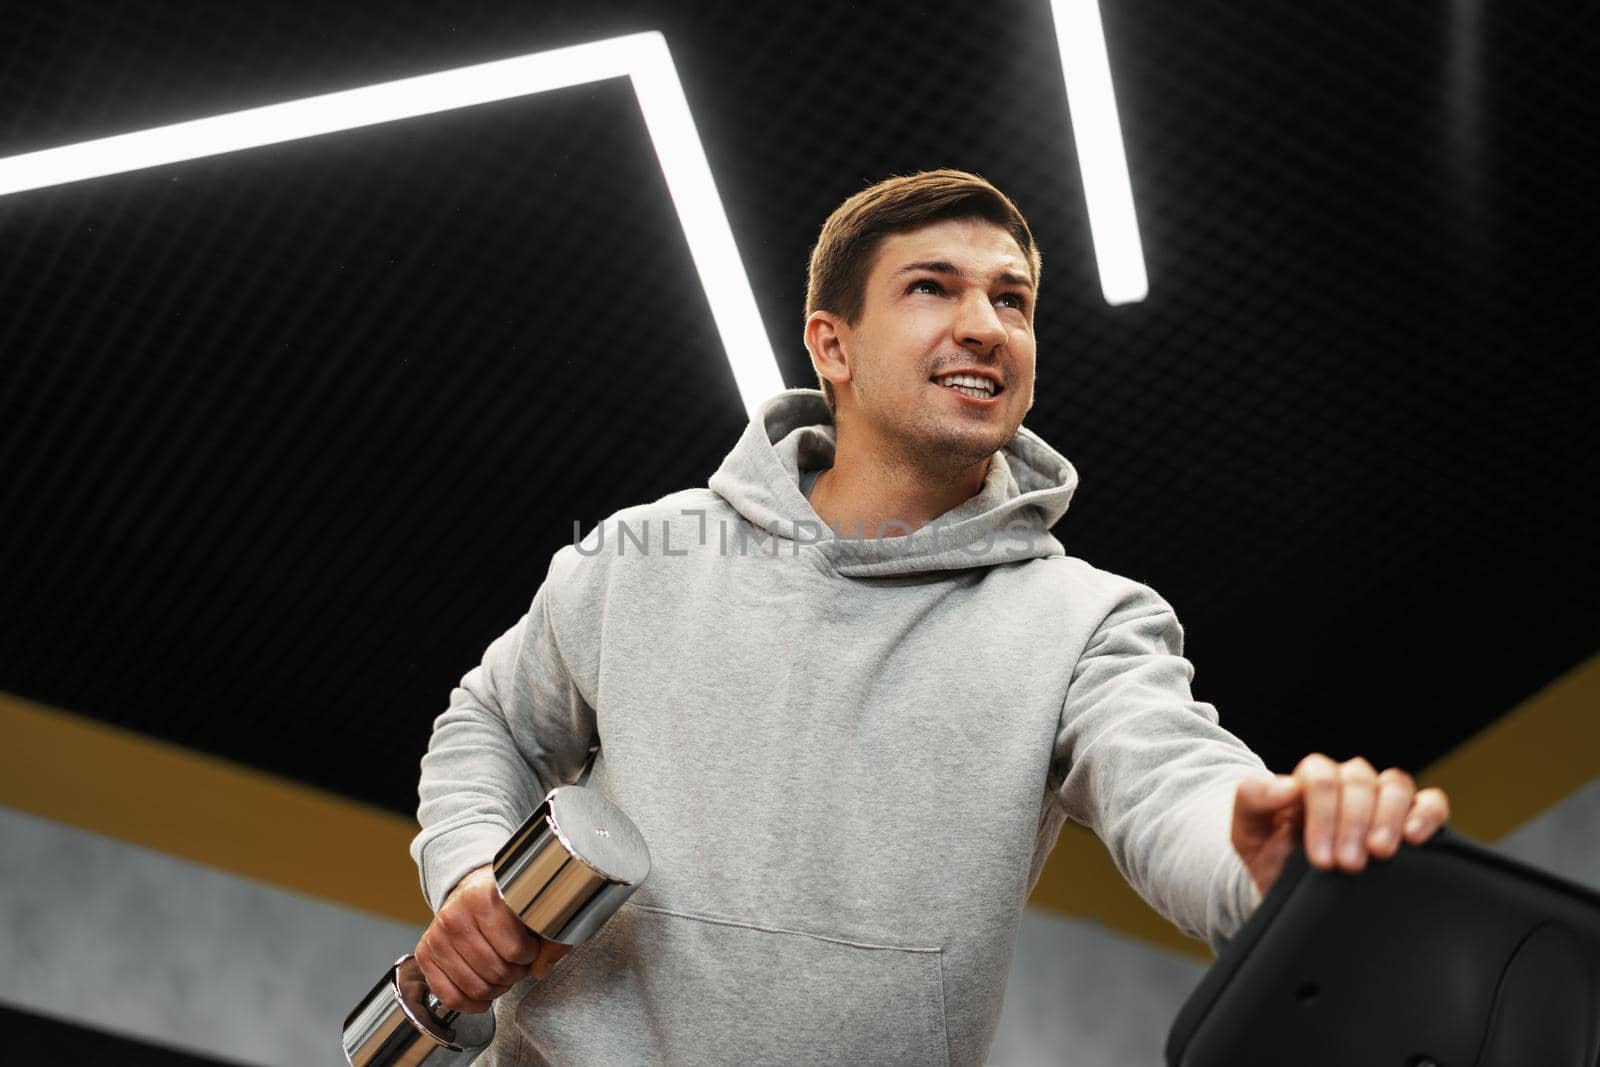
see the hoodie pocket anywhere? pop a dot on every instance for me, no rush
(658, 986)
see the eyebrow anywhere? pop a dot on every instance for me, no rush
(944, 266)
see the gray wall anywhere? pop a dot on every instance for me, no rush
(123, 939)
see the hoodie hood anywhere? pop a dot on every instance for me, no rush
(1008, 520)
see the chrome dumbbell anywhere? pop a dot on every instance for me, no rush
(564, 872)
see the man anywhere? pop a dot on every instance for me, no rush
(851, 752)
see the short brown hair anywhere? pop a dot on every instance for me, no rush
(836, 279)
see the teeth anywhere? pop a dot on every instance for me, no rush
(971, 381)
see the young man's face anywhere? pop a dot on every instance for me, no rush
(952, 296)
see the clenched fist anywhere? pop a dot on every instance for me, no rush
(476, 948)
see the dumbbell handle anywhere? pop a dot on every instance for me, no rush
(436, 1008)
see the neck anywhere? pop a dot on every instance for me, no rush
(871, 494)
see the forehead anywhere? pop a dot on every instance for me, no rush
(975, 245)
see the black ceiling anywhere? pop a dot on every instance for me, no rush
(289, 435)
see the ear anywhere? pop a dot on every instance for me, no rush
(828, 340)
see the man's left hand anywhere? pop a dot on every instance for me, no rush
(1345, 813)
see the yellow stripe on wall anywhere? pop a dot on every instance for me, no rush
(1527, 761)
(1080, 880)
(209, 810)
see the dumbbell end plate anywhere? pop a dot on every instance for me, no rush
(392, 1026)
(571, 865)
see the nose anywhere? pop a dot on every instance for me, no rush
(978, 326)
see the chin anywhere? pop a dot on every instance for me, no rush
(967, 449)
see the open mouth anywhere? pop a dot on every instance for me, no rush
(970, 385)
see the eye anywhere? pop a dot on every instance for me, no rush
(925, 285)
(1018, 301)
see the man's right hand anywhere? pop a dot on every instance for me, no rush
(476, 948)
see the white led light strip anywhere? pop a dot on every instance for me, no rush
(643, 57)
(1097, 132)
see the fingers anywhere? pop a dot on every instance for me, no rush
(1265, 796)
(446, 974)
(550, 954)
(1351, 812)
(510, 940)
(441, 986)
(467, 940)
(1358, 800)
(1395, 792)
(1266, 827)
(476, 948)
(1319, 782)
(1340, 806)
(1430, 809)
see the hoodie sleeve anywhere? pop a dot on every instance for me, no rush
(1150, 771)
(516, 727)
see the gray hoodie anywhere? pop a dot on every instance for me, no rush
(849, 756)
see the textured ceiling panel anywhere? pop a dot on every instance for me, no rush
(289, 435)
